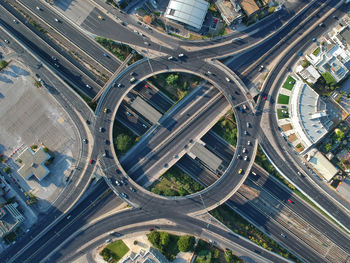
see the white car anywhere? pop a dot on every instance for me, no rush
(227, 79)
(244, 150)
(245, 158)
(170, 58)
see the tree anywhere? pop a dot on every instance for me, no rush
(171, 80)
(123, 142)
(338, 135)
(185, 243)
(328, 147)
(228, 255)
(164, 238)
(154, 238)
(7, 170)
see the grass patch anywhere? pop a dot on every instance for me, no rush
(175, 182)
(283, 99)
(226, 128)
(3, 64)
(242, 227)
(289, 83)
(114, 251)
(316, 51)
(119, 50)
(281, 115)
(123, 138)
(330, 81)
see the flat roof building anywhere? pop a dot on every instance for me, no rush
(10, 218)
(308, 114)
(34, 164)
(249, 6)
(189, 12)
(321, 164)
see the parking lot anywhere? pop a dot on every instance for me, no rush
(28, 116)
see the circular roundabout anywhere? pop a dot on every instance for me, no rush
(168, 139)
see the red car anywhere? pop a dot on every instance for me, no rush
(91, 161)
(265, 98)
(290, 201)
(146, 86)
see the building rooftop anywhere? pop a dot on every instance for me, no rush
(207, 157)
(229, 10)
(33, 164)
(309, 114)
(344, 188)
(189, 12)
(310, 74)
(324, 167)
(249, 6)
(10, 217)
(146, 110)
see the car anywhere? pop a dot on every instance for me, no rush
(231, 97)
(37, 76)
(314, 40)
(68, 217)
(124, 23)
(290, 201)
(88, 86)
(227, 79)
(132, 80)
(87, 122)
(100, 17)
(105, 55)
(265, 97)
(181, 55)
(300, 54)
(320, 24)
(15, 21)
(244, 150)
(128, 113)
(261, 68)
(245, 133)
(253, 173)
(283, 235)
(148, 92)
(105, 110)
(240, 171)
(91, 161)
(38, 8)
(239, 156)
(6, 41)
(132, 189)
(85, 141)
(135, 31)
(117, 183)
(132, 73)
(146, 43)
(170, 58)
(139, 22)
(119, 85)
(57, 65)
(144, 126)
(249, 143)
(244, 106)
(27, 230)
(166, 165)
(101, 129)
(124, 195)
(108, 142)
(57, 20)
(150, 229)
(105, 153)
(245, 158)
(248, 125)
(108, 241)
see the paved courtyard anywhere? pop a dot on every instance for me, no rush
(28, 116)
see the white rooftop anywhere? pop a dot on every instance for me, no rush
(324, 167)
(190, 12)
(307, 113)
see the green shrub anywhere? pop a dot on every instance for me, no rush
(3, 64)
